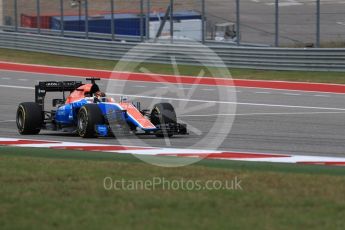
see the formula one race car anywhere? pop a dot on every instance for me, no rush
(89, 113)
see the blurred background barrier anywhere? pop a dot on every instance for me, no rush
(279, 23)
(309, 59)
(261, 34)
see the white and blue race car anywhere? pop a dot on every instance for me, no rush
(90, 113)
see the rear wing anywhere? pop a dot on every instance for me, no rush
(54, 86)
(58, 86)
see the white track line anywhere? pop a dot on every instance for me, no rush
(6, 121)
(259, 114)
(184, 88)
(341, 23)
(202, 101)
(292, 94)
(16, 87)
(230, 102)
(320, 95)
(306, 92)
(263, 92)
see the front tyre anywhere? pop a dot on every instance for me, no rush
(88, 117)
(163, 115)
(29, 118)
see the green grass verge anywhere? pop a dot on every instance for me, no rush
(47, 189)
(59, 60)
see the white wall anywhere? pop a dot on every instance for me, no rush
(184, 29)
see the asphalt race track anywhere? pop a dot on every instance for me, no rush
(268, 121)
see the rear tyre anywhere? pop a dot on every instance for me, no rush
(29, 118)
(88, 117)
(162, 115)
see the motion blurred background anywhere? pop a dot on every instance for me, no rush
(291, 23)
